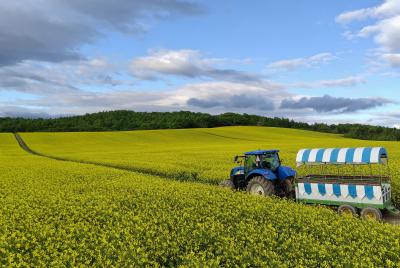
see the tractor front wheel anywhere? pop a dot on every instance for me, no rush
(260, 186)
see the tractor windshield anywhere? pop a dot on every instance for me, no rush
(269, 161)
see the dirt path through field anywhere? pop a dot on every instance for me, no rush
(26, 148)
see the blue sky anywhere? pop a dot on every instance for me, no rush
(313, 61)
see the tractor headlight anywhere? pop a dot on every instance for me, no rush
(239, 172)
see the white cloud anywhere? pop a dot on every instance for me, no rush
(43, 78)
(59, 89)
(385, 32)
(350, 81)
(17, 111)
(186, 63)
(90, 85)
(384, 28)
(387, 9)
(183, 62)
(390, 119)
(229, 96)
(212, 97)
(292, 64)
(393, 59)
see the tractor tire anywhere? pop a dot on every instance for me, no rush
(227, 184)
(260, 186)
(289, 189)
(347, 210)
(371, 213)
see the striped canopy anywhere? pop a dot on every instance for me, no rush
(363, 155)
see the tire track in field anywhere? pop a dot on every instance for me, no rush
(183, 176)
(223, 136)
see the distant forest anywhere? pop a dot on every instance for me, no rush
(129, 120)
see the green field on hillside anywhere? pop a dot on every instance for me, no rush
(57, 213)
(194, 154)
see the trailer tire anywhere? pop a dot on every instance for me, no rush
(227, 184)
(371, 213)
(347, 210)
(260, 186)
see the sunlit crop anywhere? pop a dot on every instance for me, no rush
(56, 213)
(203, 155)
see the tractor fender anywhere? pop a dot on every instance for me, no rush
(266, 173)
(286, 172)
(237, 171)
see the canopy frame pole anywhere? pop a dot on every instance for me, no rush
(338, 172)
(370, 169)
(322, 171)
(389, 173)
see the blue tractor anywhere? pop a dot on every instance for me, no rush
(261, 173)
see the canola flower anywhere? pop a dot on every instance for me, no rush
(57, 213)
(203, 155)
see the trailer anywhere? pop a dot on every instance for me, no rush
(366, 195)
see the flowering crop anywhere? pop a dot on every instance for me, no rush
(57, 213)
(203, 155)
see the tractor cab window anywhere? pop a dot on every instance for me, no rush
(252, 162)
(270, 161)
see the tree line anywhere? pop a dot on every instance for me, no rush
(130, 120)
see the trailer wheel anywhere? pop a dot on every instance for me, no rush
(347, 210)
(227, 184)
(260, 186)
(371, 213)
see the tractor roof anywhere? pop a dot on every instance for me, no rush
(258, 152)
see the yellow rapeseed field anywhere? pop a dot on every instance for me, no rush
(57, 213)
(196, 154)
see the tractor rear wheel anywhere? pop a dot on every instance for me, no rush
(347, 210)
(260, 186)
(371, 213)
(227, 184)
(289, 189)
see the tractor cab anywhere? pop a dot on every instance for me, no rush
(261, 159)
(261, 172)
